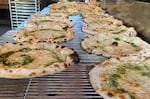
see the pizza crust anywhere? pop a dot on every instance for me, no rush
(48, 24)
(51, 16)
(115, 45)
(112, 29)
(69, 56)
(48, 35)
(100, 73)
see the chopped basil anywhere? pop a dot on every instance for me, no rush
(133, 44)
(64, 6)
(118, 39)
(121, 70)
(46, 21)
(146, 74)
(50, 63)
(125, 66)
(5, 62)
(113, 80)
(117, 32)
(61, 36)
(131, 96)
(121, 90)
(137, 48)
(26, 59)
(56, 29)
(54, 55)
(5, 55)
(26, 49)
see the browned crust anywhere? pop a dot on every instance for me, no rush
(144, 51)
(20, 37)
(25, 72)
(75, 57)
(39, 25)
(97, 73)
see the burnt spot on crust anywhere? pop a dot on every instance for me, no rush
(14, 43)
(44, 71)
(65, 40)
(115, 43)
(57, 66)
(110, 94)
(44, 41)
(62, 46)
(32, 74)
(65, 65)
(57, 46)
(10, 71)
(65, 28)
(20, 44)
(123, 97)
(75, 57)
(30, 39)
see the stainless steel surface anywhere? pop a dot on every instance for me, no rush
(20, 10)
(72, 83)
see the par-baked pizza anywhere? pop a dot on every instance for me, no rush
(115, 45)
(122, 78)
(22, 60)
(49, 35)
(48, 24)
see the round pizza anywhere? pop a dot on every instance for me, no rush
(48, 24)
(106, 28)
(28, 59)
(122, 78)
(115, 45)
(51, 16)
(103, 21)
(50, 35)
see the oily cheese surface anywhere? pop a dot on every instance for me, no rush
(115, 45)
(23, 60)
(50, 35)
(122, 78)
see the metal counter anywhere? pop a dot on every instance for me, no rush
(72, 83)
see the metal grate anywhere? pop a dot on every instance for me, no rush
(72, 83)
(20, 10)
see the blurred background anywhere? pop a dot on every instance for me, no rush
(133, 12)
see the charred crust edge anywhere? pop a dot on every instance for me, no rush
(75, 57)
